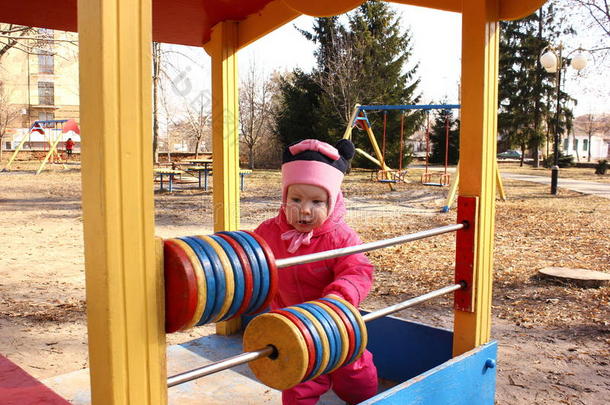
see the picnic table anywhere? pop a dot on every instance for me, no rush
(171, 173)
(242, 173)
(201, 166)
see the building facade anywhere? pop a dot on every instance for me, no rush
(39, 78)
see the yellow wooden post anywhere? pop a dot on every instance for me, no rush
(16, 152)
(223, 48)
(124, 280)
(53, 142)
(350, 125)
(499, 183)
(480, 35)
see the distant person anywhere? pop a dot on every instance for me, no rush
(69, 147)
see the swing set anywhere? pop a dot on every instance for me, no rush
(445, 177)
(359, 119)
(52, 131)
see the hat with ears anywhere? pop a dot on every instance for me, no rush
(316, 163)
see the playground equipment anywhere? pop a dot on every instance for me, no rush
(52, 130)
(123, 261)
(218, 277)
(445, 177)
(360, 119)
(456, 179)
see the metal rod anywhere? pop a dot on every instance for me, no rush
(219, 366)
(409, 303)
(365, 247)
(269, 350)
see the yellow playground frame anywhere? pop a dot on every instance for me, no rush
(123, 260)
(51, 137)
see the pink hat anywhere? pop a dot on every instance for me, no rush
(316, 163)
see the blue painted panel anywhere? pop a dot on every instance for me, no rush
(404, 349)
(465, 380)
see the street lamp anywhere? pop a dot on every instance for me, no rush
(553, 62)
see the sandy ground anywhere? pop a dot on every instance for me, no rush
(554, 337)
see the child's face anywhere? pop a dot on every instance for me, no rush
(306, 206)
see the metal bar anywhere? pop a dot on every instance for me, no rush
(268, 351)
(219, 366)
(413, 301)
(409, 107)
(365, 247)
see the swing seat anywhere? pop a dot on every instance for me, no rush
(433, 184)
(387, 176)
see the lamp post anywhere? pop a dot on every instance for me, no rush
(553, 62)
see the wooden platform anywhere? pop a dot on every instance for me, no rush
(413, 360)
(234, 386)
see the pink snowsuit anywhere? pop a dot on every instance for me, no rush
(349, 277)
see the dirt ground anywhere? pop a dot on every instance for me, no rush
(554, 337)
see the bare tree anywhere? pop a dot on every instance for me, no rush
(30, 40)
(598, 12)
(255, 110)
(194, 124)
(341, 79)
(15, 36)
(587, 124)
(156, 57)
(8, 113)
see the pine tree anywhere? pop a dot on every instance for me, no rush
(445, 124)
(362, 61)
(527, 94)
(298, 115)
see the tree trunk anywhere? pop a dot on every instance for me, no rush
(197, 148)
(251, 153)
(588, 150)
(156, 67)
(522, 155)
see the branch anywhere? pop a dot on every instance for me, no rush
(73, 42)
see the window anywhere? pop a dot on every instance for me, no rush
(46, 93)
(46, 116)
(585, 145)
(46, 63)
(566, 144)
(45, 33)
(576, 144)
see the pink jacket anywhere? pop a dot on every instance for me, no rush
(350, 276)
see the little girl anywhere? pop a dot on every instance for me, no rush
(311, 220)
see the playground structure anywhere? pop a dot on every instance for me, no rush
(385, 174)
(53, 131)
(124, 261)
(444, 178)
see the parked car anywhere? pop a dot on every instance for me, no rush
(510, 154)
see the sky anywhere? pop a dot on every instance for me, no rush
(436, 46)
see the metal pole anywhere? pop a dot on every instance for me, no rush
(555, 168)
(365, 247)
(219, 366)
(269, 350)
(413, 301)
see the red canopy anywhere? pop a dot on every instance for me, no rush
(71, 125)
